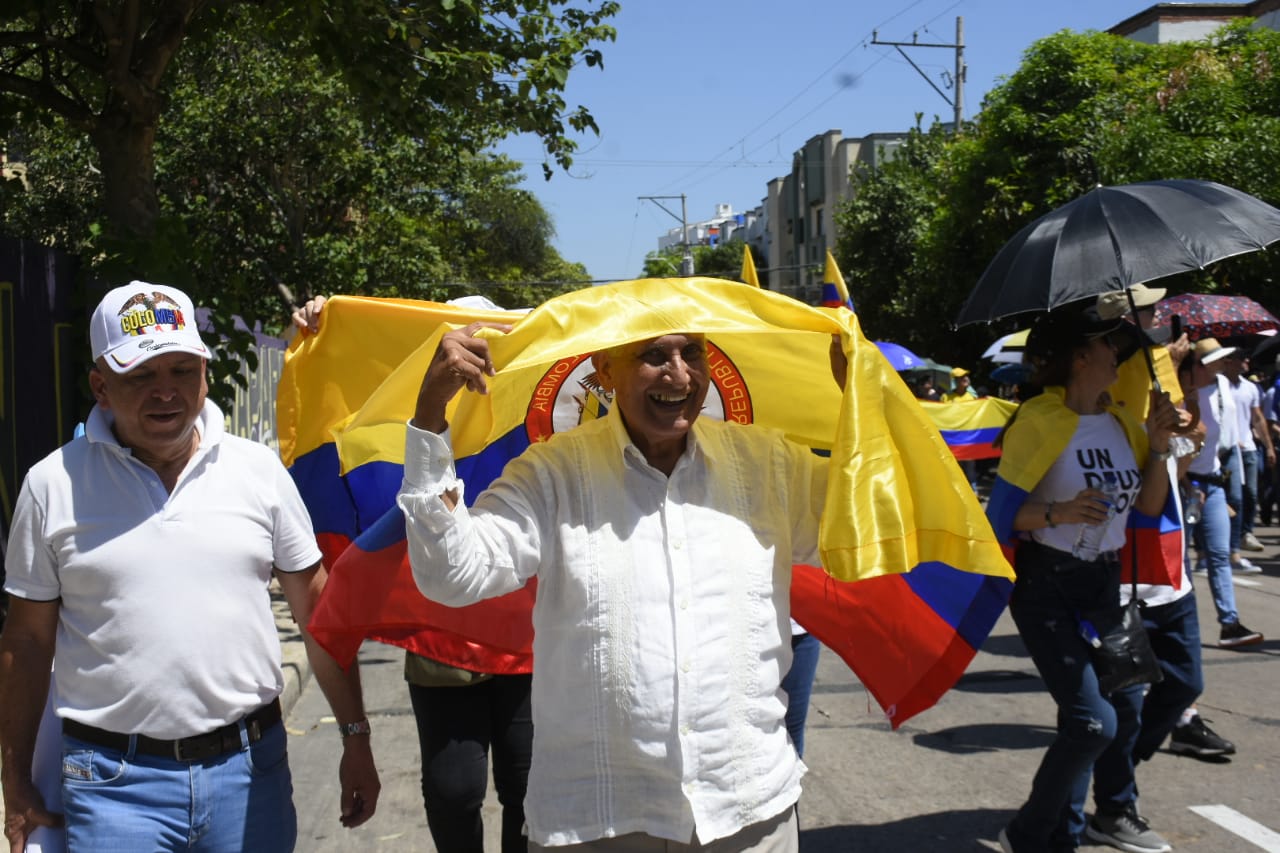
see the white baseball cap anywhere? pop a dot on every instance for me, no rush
(138, 321)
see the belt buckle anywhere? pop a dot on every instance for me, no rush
(196, 748)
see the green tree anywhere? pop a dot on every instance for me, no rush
(723, 260)
(274, 185)
(1082, 109)
(271, 164)
(883, 232)
(471, 70)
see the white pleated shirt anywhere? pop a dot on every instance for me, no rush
(661, 623)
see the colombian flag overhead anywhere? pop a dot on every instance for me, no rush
(913, 578)
(834, 293)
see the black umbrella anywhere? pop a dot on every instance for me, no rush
(1112, 238)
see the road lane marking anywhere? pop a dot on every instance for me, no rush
(1237, 824)
(1245, 582)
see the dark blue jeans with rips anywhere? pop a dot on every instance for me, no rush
(1052, 594)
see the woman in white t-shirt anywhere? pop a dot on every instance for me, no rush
(1072, 468)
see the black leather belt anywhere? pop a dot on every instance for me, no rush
(1032, 556)
(1220, 479)
(214, 744)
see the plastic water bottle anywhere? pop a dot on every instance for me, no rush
(1192, 506)
(1089, 541)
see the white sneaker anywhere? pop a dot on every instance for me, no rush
(1249, 542)
(1244, 567)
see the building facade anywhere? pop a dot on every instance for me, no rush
(794, 225)
(801, 205)
(725, 225)
(1169, 22)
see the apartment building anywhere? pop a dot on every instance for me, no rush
(800, 207)
(1169, 22)
(794, 225)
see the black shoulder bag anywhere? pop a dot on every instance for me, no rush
(1122, 654)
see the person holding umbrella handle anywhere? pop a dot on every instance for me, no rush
(1058, 450)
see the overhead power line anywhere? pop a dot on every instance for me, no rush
(685, 180)
(957, 104)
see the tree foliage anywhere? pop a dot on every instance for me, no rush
(467, 70)
(274, 181)
(882, 238)
(723, 260)
(1082, 109)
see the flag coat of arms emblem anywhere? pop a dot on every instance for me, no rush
(912, 578)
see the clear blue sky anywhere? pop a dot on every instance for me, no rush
(712, 99)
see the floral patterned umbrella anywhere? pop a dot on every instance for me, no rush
(1209, 315)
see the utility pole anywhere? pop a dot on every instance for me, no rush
(957, 104)
(686, 261)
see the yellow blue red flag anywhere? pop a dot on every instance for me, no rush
(914, 578)
(834, 293)
(969, 426)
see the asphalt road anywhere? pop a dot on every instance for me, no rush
(946, 781)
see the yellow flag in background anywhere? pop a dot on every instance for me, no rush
(749, 267)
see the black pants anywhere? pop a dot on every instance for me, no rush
(456, 728)
(1268, 492)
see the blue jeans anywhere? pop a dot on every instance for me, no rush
(1253, 462)
(798, 684)
(1212, 538)
(1234, 463)
(1051, 592)
(1174, 629)
(1268, 489)
(1144, 722)
(123, 802)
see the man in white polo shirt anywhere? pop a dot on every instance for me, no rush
(1247, 405)
(139, 560)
